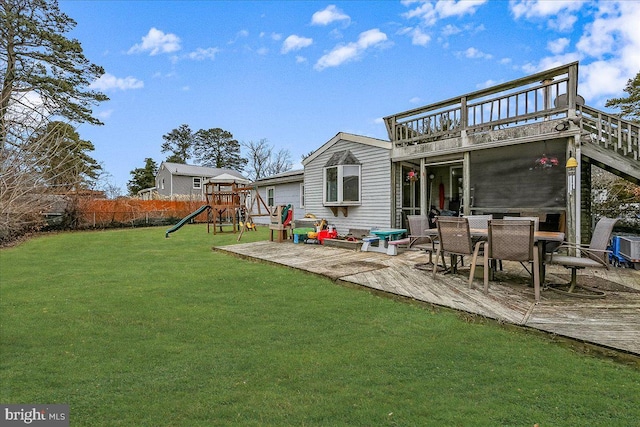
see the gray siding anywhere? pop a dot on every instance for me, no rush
(287, 193)
(375, 208)
(178, 185)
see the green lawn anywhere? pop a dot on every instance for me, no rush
(132, 329)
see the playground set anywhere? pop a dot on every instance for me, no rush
(229, 203)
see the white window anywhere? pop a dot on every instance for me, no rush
(342, 185)
(302, 195)
(271, 196)
(197, 183)
(162, 184)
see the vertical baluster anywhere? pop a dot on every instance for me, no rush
(627, 135)
(619, 130)
(600, 124)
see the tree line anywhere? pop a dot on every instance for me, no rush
(215, 148)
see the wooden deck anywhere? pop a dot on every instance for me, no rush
(609, 323)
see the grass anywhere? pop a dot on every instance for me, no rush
(132, 329)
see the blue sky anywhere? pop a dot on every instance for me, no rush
(298, 72)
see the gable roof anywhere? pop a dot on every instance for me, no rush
(296, 175)
(343, 136)
(228, 178)
(203, 171)
(344, 157)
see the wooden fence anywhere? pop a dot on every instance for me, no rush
(105, 212)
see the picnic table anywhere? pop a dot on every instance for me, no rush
(384, 240)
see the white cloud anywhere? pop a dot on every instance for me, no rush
(344, 53)
(199, 54)
(239, 35)
(330, 14)
(560, 13)
(419, 38)
(450, 30)
(558, 46)
(430, 13)
(109, 81)
(156, 42)
(300, 59)
(600, 79)
(564, 22)
(415, 100)
(613, 40)
(295, 42)
(474, 53)
(543, 8)
(608, 50)
(487, 84)
(106, 114)
(551, 62)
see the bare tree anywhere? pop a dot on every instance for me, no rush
(263, 161)
(280, 162)
(259, 154)
(26, 177)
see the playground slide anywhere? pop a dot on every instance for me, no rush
(186, 219)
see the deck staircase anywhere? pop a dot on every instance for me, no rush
(610, 143)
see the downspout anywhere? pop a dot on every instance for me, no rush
(466, 183)
(578, 189)
(424, 209)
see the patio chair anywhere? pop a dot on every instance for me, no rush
(512, 240)
(595, 254)
(417, 238)
(478, 221)
(535, 219)
(454, 238)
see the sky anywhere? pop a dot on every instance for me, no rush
(296, 73)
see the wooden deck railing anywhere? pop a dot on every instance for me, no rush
(610, 132)
(550, 94)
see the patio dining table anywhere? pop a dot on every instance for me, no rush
(542, 239)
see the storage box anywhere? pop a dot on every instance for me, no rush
(299, 234)
(630, 248)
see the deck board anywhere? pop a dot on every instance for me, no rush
(612, 322)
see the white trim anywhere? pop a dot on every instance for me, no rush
(340, 186)
(274, 195)
(342, 136)
(193, 182)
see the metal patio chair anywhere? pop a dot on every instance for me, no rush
(512, 240)
(478, 221)
(594, 255)
(417, 238)
(454, 238)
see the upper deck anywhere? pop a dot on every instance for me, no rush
(542, 106)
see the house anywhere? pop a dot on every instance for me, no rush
(180, 181)
(523, 147)
(281, 189)
(347, 182)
